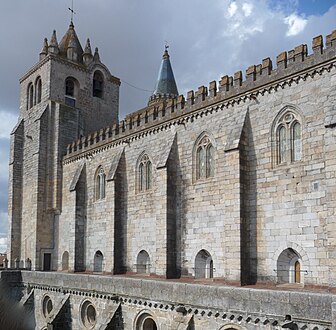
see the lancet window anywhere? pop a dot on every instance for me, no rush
(145, 173)
(38, 90)
(30, 96)
(98, 84)
(100, 184)
(70, 91)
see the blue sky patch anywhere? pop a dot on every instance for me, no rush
(303, 7)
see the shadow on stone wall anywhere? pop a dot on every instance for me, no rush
(248, 208)
(120, 218)
(12, 315)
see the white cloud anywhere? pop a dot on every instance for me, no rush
(247, 9)
(296, 24)
(3, 231)
(240, 23)
(232, 8)
(7, 122)
(3, 244)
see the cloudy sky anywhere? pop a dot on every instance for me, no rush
(207, 38)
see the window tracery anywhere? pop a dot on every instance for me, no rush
(100, 184)
(204, 159)
(145, 173)
(288, 138)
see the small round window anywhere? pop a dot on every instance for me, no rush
(88, 315)
(47, 306)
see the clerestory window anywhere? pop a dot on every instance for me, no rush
(204, 159)
(100, 184)
(288, 139)
(145, 173)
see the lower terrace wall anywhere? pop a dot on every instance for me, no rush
(121, 301)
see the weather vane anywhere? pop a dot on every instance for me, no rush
(72, 11)
(166, 45)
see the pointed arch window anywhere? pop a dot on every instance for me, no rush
(204, 159)
(98, 84)
(38, 90)
(288, 139)
(71, 87)
(30, 96)
(145, 173)
(100, 184)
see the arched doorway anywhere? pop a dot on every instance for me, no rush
(98, 262)
(203, 265)
(65, 261)
(143, 262)
(289, 267)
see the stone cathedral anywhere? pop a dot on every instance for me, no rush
(214, 210)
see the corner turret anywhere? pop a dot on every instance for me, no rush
(87, 55)
(96, 57)
(53, 46)
(44, 51)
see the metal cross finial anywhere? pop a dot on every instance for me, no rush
(72, 11)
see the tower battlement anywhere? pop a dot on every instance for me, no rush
(291, 67)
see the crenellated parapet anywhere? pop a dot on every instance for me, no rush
(291, 67)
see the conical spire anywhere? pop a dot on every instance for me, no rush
(53, 46)
(165, 85)
(71, 41)
(72, 49)
(44, 51)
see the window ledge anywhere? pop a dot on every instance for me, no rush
(210, 179)
(297, 163)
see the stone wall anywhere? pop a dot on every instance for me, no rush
(245, 216)
(172, 305)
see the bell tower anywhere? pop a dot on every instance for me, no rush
(67, 94)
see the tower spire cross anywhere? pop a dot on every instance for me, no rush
(72, 11)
